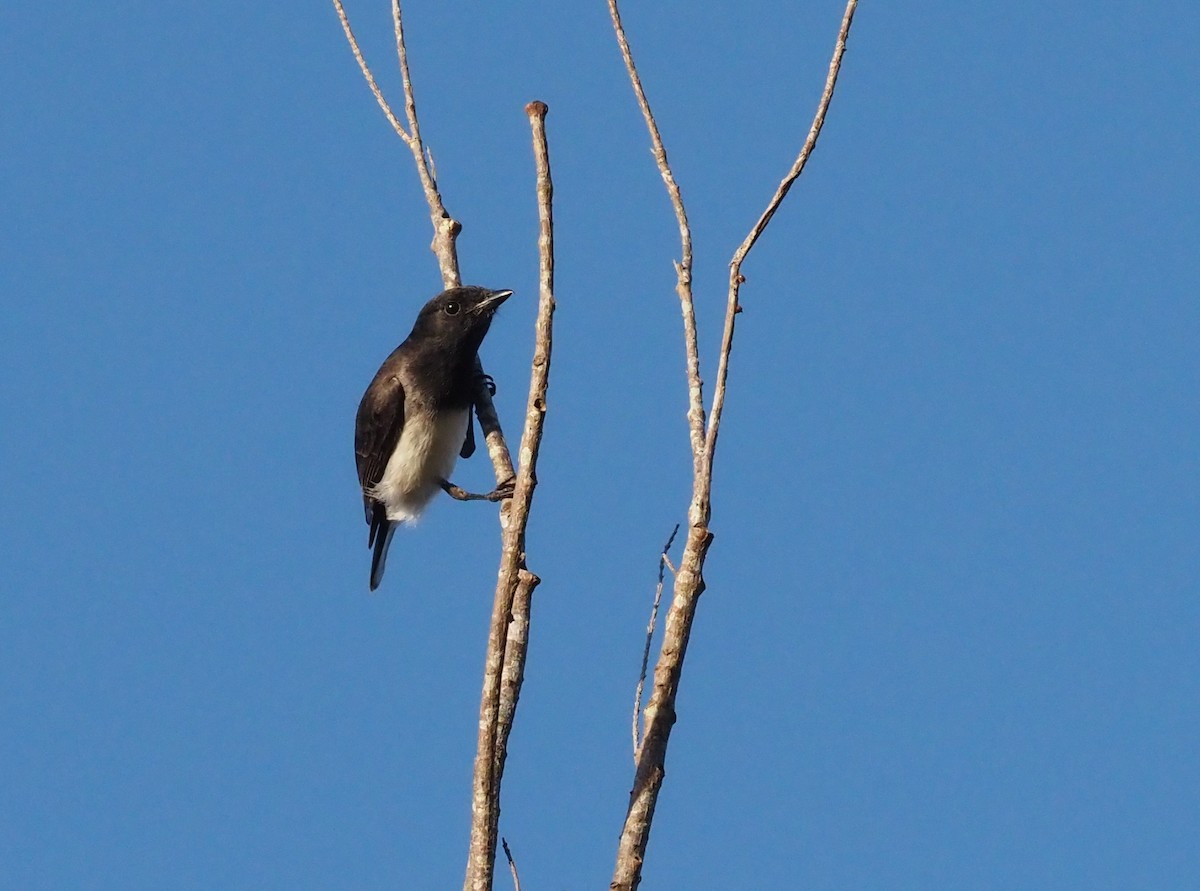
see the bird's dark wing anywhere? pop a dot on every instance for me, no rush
(377, 430)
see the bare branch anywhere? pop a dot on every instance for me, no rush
(366, 71)
(683, 269)
(493, 435)
(735, 265)
(507, 639)
(500, 493)
(659, 715)
(445, 228)
(663, 561)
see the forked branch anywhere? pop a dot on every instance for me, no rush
(659, 716)
(366, 72)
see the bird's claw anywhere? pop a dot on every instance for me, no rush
(500, 493)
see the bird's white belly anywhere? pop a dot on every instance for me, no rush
(424, 456)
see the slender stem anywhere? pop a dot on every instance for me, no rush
(683, 269)
(366, 72)
(508, 637)
(445, 228)
(736, 278)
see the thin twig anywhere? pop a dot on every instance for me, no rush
(366, 71)
(512, 864)
(683, 269)
(735, 265)
(445, 227)
(515, 583)
(663, 560)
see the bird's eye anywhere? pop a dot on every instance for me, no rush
(452, 308)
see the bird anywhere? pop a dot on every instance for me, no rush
(414, 420)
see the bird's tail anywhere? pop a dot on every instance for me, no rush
(381, 537)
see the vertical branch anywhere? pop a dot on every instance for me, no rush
(659, 716)
(508, 636)
(518, 630)
(683, 269)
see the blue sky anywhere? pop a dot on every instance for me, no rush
(949, 637)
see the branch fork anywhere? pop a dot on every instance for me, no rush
(651, 748)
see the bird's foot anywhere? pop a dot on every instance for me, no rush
(500, 493)
(488, 381)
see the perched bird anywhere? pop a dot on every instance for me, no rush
(415, 417)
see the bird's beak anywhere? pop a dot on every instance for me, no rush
(492, 302)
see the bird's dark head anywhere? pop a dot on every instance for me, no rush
(459, 318)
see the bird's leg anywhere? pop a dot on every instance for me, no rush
(487, 380)
(501, 492)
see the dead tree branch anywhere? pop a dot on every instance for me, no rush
(366, 72)
(445, 227)
(659, 714)
(515, 583)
